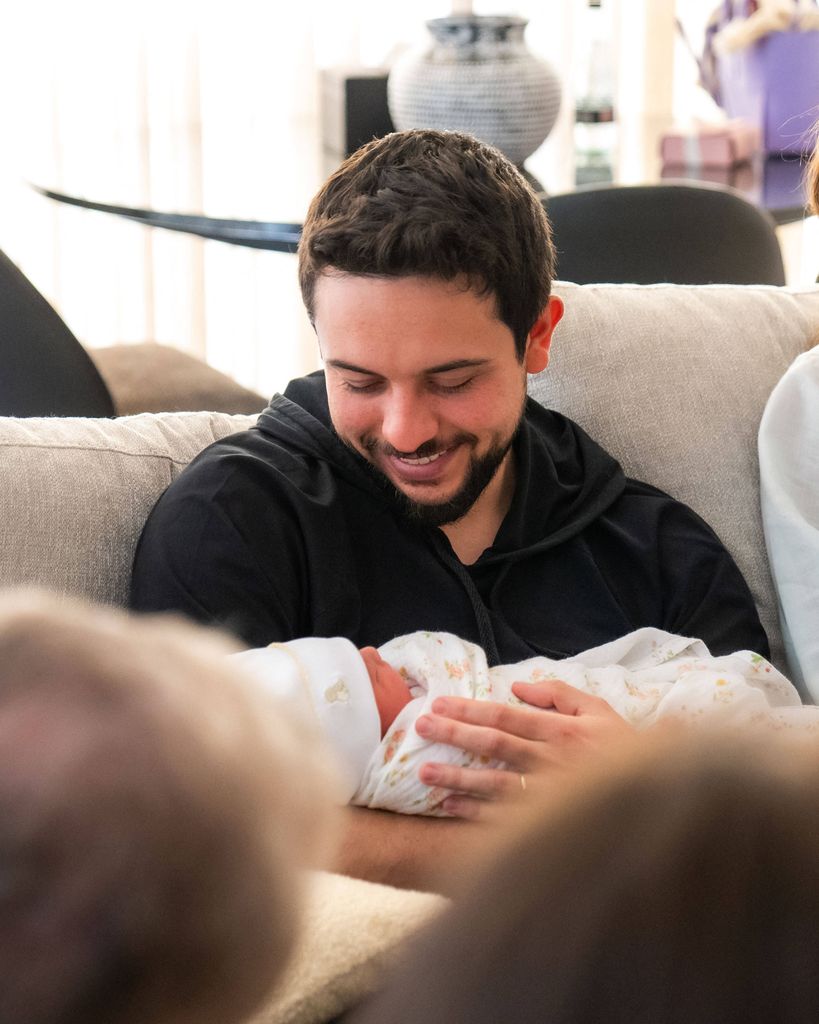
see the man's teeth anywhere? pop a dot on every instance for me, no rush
(422, 461)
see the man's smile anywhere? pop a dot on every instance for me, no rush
(428, 469)
(421, 460)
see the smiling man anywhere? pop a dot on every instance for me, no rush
(412, 485)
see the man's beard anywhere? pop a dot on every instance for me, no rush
(479, 474)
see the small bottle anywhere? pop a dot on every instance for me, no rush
(595, 132)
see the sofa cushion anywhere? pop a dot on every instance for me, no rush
(672, 380)
(158, 378)
(353, 933)
(76, 493)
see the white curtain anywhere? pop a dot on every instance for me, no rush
(195, 107)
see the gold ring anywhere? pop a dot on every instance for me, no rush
(523, 782)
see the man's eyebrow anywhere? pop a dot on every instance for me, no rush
(455, 364)
(340, 364)
(458, 364)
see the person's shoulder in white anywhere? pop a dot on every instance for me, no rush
(789, 487)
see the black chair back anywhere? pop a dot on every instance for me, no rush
(676, 233)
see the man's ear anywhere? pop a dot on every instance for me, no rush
(539, 341)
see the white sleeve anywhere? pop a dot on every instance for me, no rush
(789, 488)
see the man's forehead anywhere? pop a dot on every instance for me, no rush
(335, 284)
(406, 325)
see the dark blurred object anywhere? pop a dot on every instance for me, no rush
(677, 233)
(353, 108)
(258, 234)
(44, 370)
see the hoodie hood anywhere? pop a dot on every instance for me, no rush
(300, 420)
(564, 479)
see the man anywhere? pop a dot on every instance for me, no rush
(413, 485)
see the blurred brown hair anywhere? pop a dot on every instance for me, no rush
(677, 885)
(813, 179)
(151, 825)
(433, 204)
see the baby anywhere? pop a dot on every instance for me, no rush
(368, 701)
(152, 821)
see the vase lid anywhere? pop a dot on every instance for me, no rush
(463, 29)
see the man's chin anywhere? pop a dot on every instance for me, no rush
(442, 513)
(438, 513)
(420, 504)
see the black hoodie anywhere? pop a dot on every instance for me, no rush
(283, 531)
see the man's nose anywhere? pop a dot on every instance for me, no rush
(408, 420)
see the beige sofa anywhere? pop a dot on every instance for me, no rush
(672, 379)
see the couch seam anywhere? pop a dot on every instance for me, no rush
(87, 448)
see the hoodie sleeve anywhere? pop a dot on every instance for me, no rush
(670, 570)
(225, 544)
(703, 592)
(194, 558)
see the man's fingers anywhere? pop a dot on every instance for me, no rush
(558, 696)
(466, 807)
(507, 718)
(485, 741)
(473, 790)
(486, 783)
(526, 739)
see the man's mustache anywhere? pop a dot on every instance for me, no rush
(423, 451)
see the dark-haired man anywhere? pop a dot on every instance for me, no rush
(412, 485)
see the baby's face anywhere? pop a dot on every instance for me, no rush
(390, 690)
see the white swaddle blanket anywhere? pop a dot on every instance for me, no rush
(645, 676)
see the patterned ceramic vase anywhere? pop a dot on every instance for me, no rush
(479, 77)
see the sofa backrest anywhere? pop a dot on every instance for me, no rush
(672, 380)
(75, 493)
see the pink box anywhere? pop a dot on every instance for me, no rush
(711, 145)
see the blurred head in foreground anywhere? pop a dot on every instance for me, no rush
(678, 882)
(151, 824)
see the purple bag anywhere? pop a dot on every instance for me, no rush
(775, 84)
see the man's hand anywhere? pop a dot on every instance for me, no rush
(562, 725)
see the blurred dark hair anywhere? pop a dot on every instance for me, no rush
(433, 204)
(679, 885)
